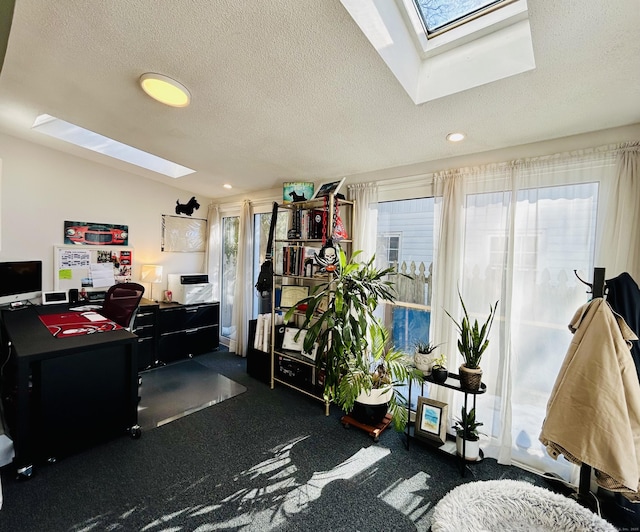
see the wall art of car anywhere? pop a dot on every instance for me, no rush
(96, 234)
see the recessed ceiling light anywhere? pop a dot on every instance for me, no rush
(227, 185)
(165, 90)
(455, 137)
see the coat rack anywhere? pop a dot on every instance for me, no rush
(584, 487)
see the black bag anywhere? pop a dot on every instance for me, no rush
(265, 277)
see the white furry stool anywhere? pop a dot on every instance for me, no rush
(512, 505)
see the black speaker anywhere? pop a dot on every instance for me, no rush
(73, 295)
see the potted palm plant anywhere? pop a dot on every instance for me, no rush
(359, 366)
(472, 343)
(467, 434)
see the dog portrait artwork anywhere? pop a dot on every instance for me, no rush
(297, 197)
(187, 208)
(293, 191)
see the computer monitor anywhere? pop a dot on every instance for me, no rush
(20, 281)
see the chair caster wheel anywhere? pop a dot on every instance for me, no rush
(25, 472)
(135, 432)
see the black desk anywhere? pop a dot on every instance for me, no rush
(63, 394)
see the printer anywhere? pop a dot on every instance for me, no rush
(190, 288)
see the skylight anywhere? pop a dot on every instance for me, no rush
(489, 42)
(54, 127)
(441, 15)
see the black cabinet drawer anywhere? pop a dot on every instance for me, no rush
(145, 317)
(146, 352)
(143, 331)
(188, 317)
(180, 344)
(172, 346)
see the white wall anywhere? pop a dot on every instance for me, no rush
(402, 182)
(41, 188)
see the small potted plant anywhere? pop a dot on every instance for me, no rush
(439, 371)
(424, 357)
(467, 434)
(472, 343)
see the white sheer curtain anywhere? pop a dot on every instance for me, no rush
(514, 232)
(243, 290)
(620, 247)
(212, 256)
(447, 268)
(365, 214)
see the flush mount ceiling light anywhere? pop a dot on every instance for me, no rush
(165, 90)
(455, 137)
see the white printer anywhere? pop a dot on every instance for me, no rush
(190, 288)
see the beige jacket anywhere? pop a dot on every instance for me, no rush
(593, 414)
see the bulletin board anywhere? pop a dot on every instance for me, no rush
(91, 267)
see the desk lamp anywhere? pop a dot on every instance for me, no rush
(151, 274)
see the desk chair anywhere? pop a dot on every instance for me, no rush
(121, 303)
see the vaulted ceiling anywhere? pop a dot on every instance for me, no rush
(291, 90)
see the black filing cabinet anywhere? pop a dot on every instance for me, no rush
(187, 330)
(145, 327)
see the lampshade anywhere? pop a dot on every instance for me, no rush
(165, 90)
(151, 273)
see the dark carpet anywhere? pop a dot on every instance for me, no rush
(262, 460)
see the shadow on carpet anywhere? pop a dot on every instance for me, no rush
(179, 389)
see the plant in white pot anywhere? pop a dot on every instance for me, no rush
(424, 356)
(370, 386)
(472, 343)
(467, 434)
(352, 345)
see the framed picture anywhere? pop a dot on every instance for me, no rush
(291, 294)
(293, 340)
(292, 192)
(327, 188)
(183, 234)
(92, 233)
(431, 420)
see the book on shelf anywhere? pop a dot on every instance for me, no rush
(306, 224)
(296, 260)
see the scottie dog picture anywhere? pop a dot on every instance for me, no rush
(187, 208)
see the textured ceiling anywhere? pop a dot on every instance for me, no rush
(292, 90)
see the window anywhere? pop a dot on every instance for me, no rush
(441, 15)
(389, 247)
(230, 229)
(551, 232)
(410, 316)
(525, 250)
(261, 226)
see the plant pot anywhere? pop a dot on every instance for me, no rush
(370, 408)
(439, 374)
(470, 378)
(471, 448)
(424, 362)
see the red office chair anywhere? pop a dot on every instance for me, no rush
(121, 303)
